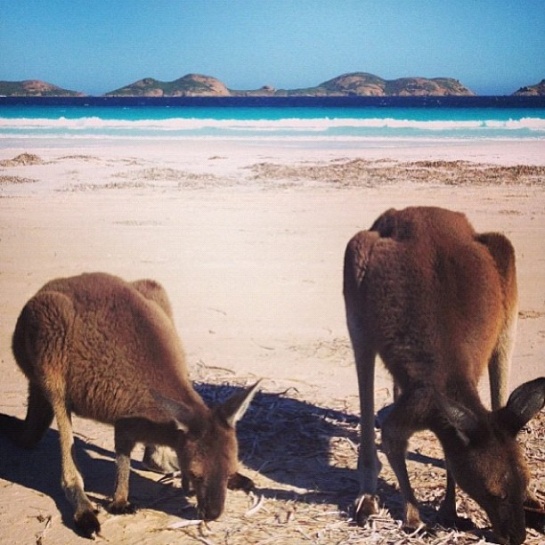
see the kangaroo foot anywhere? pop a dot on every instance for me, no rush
(459, 523)
(364, 506)
(421, 530)
(413, 523)
(87, 524)
(122, 508)
(535, 518)
(448, 518)
(240, 482)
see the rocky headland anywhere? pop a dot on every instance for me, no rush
(35, 88)
(532, 90)
(353, 84)
(198, 85)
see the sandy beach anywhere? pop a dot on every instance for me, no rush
(248, 239)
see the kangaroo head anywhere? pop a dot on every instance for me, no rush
(208, 449)
(486, 460)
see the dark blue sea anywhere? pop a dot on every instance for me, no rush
(302, 119)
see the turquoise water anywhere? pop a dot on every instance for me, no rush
(156, 120)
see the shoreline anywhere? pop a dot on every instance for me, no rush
(493, 151)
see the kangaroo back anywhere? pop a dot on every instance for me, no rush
(430, 282)
(120, 345)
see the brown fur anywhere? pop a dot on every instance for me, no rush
(438, 303)
(107, 349)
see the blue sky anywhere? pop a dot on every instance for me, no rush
(492, 46)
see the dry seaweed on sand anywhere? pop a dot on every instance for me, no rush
(301, 456)
(374, 173)
(171, 177)
(9, 180)
(23, 159)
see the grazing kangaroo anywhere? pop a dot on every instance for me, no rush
(107, 349)
(438, 303)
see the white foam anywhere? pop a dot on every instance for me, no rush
(287, 124)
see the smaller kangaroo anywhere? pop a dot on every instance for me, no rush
(107, 349)
(438, 303)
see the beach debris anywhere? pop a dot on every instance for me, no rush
(184, 524)
(40, 536)
(376, 173)
(9, 180)
(23, 159)
(303, 455)
(256, 506)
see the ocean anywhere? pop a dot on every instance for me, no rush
(290, 119)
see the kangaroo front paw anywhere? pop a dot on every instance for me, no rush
(87, 524)
(121, 508)
(535, 518)
(240, 482)
(459, 523)
(422, 530)
(364, 506)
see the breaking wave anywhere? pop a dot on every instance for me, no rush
(264, 123)
(318, 124)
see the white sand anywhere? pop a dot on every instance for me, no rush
(253, 267)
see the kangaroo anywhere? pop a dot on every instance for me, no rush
(106, 349)
(438, 303)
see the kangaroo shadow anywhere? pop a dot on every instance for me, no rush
(310, 450)
(40, 469)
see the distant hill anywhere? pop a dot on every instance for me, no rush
(354, 84)
(532, 90)
(198, 85)
(34, 88)
(364, 84)
(187, 86)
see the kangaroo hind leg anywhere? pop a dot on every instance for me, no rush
(369, 465)
(356, 262)
(500, 363)
(72, 482)
(503, 253)
(42, 347)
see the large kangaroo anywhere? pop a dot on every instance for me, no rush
(438, 303)
(107, 349)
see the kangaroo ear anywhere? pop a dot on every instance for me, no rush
(234, 408)
(182, 414)
(523, 404)
(464, 421)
